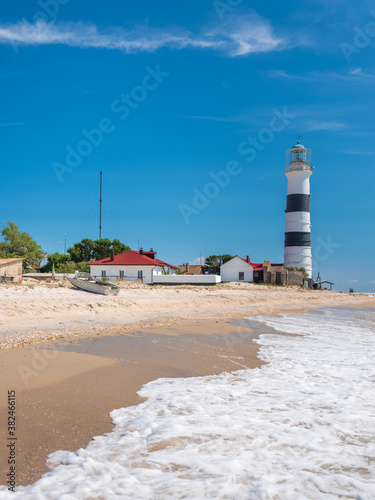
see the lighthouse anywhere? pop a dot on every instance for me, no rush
(297, 246)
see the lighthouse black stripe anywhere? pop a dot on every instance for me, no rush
(298, 203)
(297, 239)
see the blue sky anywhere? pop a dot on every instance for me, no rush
(161, 96)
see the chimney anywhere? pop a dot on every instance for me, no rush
(247, 258)
(151, 254)
(141, 251)
(187, 267)
(112, 255)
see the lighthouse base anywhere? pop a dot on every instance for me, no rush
(299, 257)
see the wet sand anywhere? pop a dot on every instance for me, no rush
(64, 392)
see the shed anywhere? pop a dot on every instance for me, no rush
(318, 284)
(11, 270)
(190, 269)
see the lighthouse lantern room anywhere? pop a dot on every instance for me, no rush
(297, 246)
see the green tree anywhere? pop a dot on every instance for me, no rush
(63, 264)
(59, 260)
(213, 262)
(82, 251)
(102, 248)
(119, 247)
(88, 250)
(20, 244)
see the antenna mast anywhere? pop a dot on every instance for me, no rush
(100, 211)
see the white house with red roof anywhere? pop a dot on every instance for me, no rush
(131, 265)
(239, 269)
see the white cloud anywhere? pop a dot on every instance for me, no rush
(198, 261)
(237, 37)
(248, 35)
(356, 75)
(314, 125)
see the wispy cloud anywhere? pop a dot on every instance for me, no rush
(10, 124)
(357, 74)
(314, 125)
(359, 152)
(237, 37)
(210, 118)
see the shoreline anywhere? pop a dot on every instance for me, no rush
(65, 392)
(67, 384)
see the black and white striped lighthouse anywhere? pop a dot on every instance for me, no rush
(297, 247)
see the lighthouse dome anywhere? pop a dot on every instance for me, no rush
(298, 145)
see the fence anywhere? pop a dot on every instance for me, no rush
(186, 279)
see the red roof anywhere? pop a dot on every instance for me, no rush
(162, 263)
(256, 267)
(131, 258)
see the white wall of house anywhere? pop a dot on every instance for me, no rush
(230, 271)
(130, 272)
(187, 279)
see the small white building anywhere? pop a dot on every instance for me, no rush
(130, 266)
(239, 269)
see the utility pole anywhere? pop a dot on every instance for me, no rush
(65, 256)
(100, 210)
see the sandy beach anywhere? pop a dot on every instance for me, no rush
(34, 311)
(72, 357)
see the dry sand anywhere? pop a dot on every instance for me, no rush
(36, 311)
(68, 373)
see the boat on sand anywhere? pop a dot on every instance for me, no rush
(84, 281)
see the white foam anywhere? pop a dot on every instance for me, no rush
(300, 427)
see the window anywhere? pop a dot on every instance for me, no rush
(241, 276)
(104, 274)
(122, 274)
(140, 275)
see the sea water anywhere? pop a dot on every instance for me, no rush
(301, 426)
